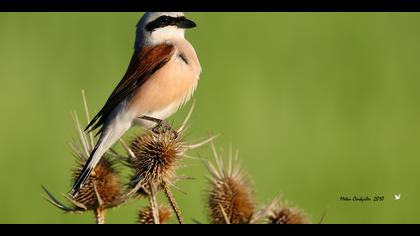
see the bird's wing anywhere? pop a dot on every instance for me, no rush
(143, 64)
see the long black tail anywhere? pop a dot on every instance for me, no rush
(111, 132)
(84, 174)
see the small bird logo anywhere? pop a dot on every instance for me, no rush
(397, 197)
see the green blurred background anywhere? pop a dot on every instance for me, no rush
(320, 105)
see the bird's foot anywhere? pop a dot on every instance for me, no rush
(161, 126)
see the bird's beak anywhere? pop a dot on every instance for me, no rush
(186, 24)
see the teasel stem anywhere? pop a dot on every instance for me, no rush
(100, 216)
(321, 221)
(173, 203)
(153, 204)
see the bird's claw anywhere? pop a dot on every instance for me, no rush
(163, 127)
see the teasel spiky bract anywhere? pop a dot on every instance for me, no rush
(230, 195)
(103, 189)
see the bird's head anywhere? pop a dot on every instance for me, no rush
(157, 27)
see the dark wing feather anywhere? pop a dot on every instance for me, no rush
(143, 64)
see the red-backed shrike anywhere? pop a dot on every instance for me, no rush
(162, 75)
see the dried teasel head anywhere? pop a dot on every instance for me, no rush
(146, 215)
(284, 213)
(154, 157)
(103, 189)
(230, 197)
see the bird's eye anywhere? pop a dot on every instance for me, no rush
(160, 22)
(165, 19)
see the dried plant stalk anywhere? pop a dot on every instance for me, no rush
(154, 205)
(173, 203)
(100, 216)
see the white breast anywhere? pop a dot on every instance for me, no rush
(161, 114)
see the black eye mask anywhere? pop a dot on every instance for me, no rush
(163, 21)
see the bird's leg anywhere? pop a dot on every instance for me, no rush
(161, 125)
(149, 118)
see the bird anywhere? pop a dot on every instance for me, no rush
(397, 197)
(161, 77)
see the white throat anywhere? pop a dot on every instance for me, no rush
(161, 35)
